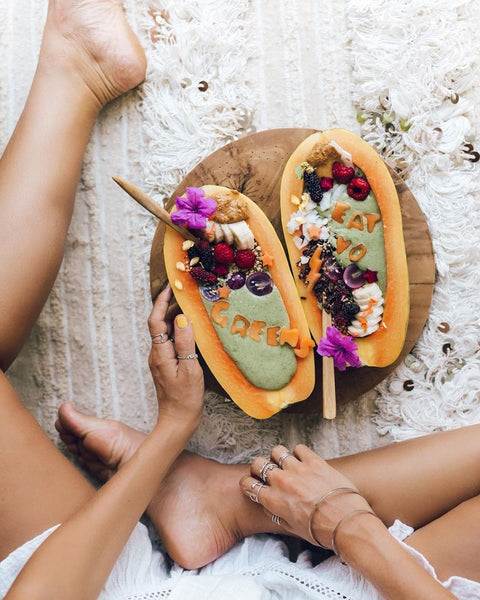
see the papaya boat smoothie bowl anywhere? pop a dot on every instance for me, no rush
(328, 200)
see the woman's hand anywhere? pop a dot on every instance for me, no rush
(294, 484)
(176, 373)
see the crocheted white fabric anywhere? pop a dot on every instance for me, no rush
(419, 115)
(411, 85)
(258, 566)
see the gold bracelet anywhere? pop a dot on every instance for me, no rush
(347, 516)
(317, 504)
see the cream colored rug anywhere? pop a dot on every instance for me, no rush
(404, 75)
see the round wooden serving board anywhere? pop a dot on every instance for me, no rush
(254, 166)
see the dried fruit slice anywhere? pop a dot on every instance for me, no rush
(255, 401)
(383, 346)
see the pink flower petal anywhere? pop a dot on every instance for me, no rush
(180, 217)
(208, 207)
(183, 203)
(342, 348)
(197, 221)
(194, 209)
(195, 194)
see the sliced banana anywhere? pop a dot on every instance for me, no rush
(345, 156)
(370, 300)
(364, 304)
(227, 233)
(367, 291)
(242, 234)
(218, 233)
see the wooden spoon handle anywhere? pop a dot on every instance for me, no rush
(328, 376)
(155, 209)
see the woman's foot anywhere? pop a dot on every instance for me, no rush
(102, 446)
(93, 41)
(199, 510)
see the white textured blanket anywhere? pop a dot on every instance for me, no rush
(403, 74)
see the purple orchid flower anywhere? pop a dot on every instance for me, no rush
(194, 210)
(341, 347)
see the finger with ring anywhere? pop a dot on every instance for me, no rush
(267, 467)
(188, 356)
(160, 338)
(282, 458)
(276, 520)
(257, 486)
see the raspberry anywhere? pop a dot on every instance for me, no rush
(358, 188)
(244, 259)
(326, 183)
(342, 173)
(206, 255)
(220, 270)
(312, 185)
(223, 254)
(202, 276)
(203, 245)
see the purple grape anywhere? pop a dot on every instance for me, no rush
(236, 281)
(209, 293)
(353, 277)
(260, 284)
(332, 269)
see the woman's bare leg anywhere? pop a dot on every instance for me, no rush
(39, 487)
(419, 479)
(451, 543)
(88, 56)
(415, 481)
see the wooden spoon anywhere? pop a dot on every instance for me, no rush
(153, 207)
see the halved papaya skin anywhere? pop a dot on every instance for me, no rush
(256, 402)
(383, 346)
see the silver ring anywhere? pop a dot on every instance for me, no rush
(188, 357)
(282, 457)
(258, 487)
(163, 338)
(268, 466)
(276, 519)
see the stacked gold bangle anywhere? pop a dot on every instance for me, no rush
(342, 520)
(333, 492)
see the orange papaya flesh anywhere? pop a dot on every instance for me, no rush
(383, 346)
(254, 401)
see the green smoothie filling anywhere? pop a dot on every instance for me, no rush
(338, 229)
(269, 367)
(374, 259)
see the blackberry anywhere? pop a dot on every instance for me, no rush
(192, 252)
(202, 276)
(350, 309)
(206, 255)
(313, 187)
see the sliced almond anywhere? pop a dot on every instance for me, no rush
(187, 244)
(178, 284)
(294, 199)
(180, 266)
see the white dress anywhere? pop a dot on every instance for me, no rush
(257, 568)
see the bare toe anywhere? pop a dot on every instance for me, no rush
(102, 445)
